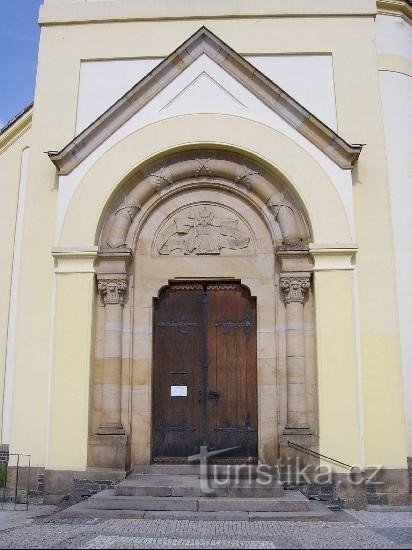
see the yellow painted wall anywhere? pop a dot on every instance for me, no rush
(339, 423)
(11, 148)
(69, 418)
(351, 42)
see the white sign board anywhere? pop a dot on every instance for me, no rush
(178, 391)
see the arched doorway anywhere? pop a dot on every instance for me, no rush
(204, 372)
(206, 218)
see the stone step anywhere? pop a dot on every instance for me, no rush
(315, 512)
(160, 485)
(107, 500)
(214, 470)
(166, 469)
(238, 492)
(253, 504)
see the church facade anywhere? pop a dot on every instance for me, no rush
(205, 221)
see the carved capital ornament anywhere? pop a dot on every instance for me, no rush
(112, 291)
(294, 286)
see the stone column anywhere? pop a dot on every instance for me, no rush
(112, 291)
(294, 286)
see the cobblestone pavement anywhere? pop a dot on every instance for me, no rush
(360, 530)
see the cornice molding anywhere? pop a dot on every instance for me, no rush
(205, 42)
(61, 12)
(333, 257)
(16, 128)
(396, 7)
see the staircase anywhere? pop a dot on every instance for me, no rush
(178, 492)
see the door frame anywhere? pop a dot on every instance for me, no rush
(270, 380)
(204, 281)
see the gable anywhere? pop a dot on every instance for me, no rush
(204, 44)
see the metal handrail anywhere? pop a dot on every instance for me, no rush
(16, 485)
(314, 453)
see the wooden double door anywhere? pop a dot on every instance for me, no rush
(204, 372)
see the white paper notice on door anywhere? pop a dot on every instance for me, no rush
(178, 391)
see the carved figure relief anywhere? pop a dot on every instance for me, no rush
(201, 232)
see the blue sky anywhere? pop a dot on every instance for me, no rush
(19, 38)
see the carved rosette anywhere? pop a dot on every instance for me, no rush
(294, 286)
(112, 291)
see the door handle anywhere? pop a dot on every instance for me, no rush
(213, 395)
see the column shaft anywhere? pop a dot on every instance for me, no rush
(295, 365)
(294, 286)
(112, 292)
(112, 370)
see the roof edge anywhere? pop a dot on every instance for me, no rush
(201, 42)
(15, 127)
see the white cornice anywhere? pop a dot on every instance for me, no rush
(63, 12)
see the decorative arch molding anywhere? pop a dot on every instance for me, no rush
(205, 168)
(292, 168)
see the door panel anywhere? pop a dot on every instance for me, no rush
(177, 419)
(232, 415)
(204, 341)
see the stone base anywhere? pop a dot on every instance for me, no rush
(304, 430)
(4, 453)
(356, 490)
(103, 430)
(29, 480)
(292, 459)
(72, 486)
(388, 486)
(107, 451)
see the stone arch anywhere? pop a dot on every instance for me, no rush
(205, 168)
(299, 172)
(184, 180)
(286, 205)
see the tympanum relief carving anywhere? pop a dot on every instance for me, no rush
(204, 230)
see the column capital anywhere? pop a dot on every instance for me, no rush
(294, 286)
(112, 291)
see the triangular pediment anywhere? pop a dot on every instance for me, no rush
(206, 91)
(202, 89)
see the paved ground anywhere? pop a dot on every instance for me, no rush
(356, 530)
